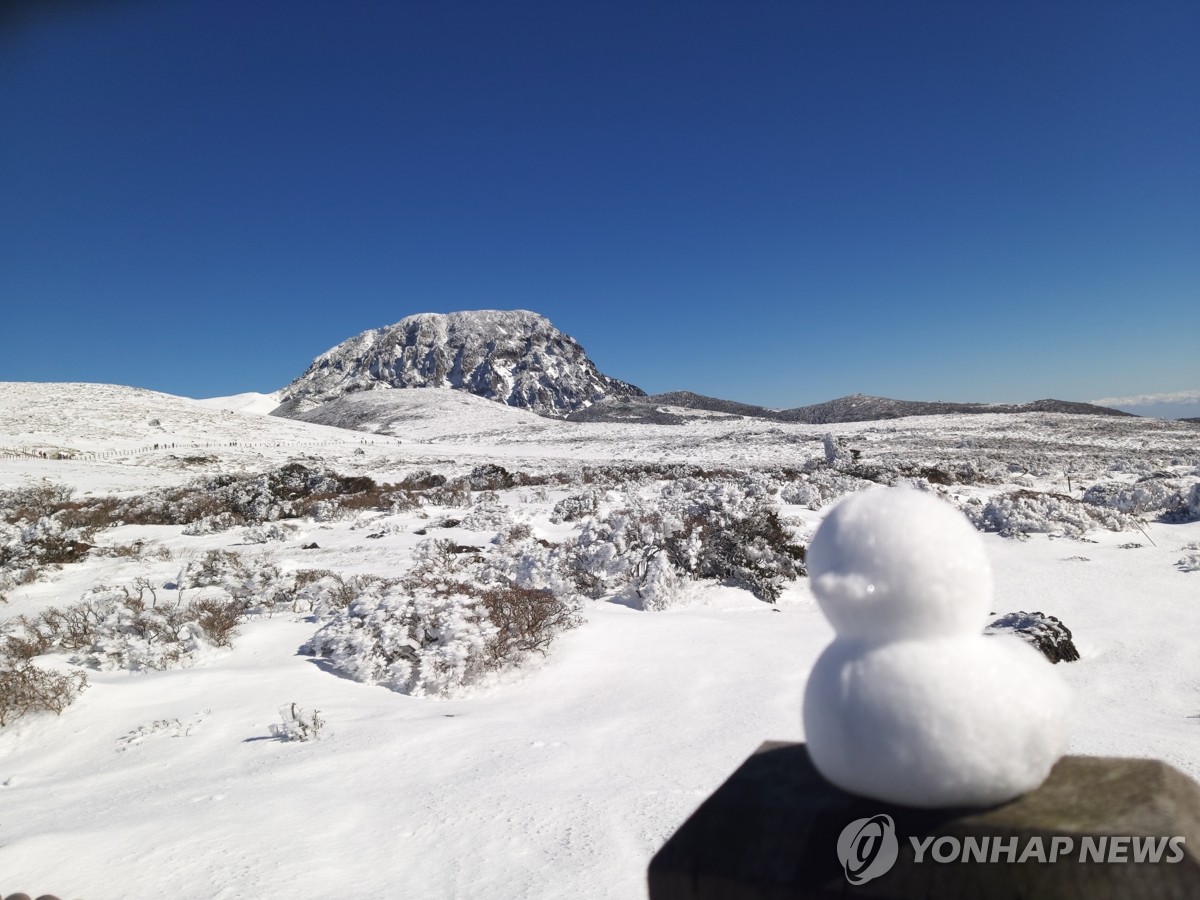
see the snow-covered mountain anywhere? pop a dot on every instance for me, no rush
(514, 357)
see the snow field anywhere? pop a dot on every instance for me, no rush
(559, 779)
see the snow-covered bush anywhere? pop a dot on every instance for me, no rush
(661, 584)
(1024, 512)
(647, 547)
(421, 480)
(744, 544)
(214, 524)
(575, 507)
(414, 643)
(116, 628)
(537, 494)
(453, 494)
(490, 477)
(255, 584)
(216, 568)
(443, 627)
(220, 502)
(27, 548)
(270, 532)
(526, 561)
(1149, 495)
(820, 488)
(487, 515)
(613, 549)
(33, 501)
(835, 449)
(297, 724)
(324, 593)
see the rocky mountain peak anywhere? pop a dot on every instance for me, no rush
(511, 356)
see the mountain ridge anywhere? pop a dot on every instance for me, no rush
(852, 408)
(518, 358)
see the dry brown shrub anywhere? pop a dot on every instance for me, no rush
(218, 618)
(527, 621)
(25, 688)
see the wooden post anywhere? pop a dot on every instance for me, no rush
(771, 832)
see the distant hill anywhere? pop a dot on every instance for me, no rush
(657, 408)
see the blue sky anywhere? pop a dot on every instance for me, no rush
(777, 202)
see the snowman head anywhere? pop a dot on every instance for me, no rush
(896, 564)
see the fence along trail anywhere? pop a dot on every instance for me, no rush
(29, 453)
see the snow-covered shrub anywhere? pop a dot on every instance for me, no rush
(526, 620)
(1146, 496)
(490, 477)
(421, 480)
(36, 501)
(661, 584)
(136, 550)
(947, 472)
(647, 548)
(443, 627)
(835, 449)
(575, 507)
(487, 515)
(270, 532)
(453, 494)
(378, 526)
(253, 582)
(216, 568)
(412, 642)
(1024, 512)
(521, 559)
(292, 491)
(27, 548)
(47, 499)
(536, 495)
(297, 724)
(214, 524)
(115, 628)
(820, 488)
(1190, 562)
(613, 549)
(1047, 634)
(324, 593)
(747, 546)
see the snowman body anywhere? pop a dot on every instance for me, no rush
(911, 703)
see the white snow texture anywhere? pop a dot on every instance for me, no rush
(911, 704)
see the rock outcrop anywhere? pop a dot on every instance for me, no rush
(513, 357)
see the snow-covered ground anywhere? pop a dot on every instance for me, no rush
(559, 779)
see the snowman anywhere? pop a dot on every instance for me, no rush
(912, 703)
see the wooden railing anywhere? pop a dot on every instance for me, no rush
(1096, 828)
